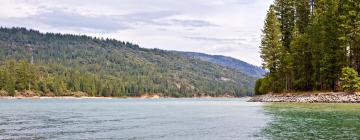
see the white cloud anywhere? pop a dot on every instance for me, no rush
(222, 27)
(13, 9)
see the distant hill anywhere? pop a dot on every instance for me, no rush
(107, 67)
(242, 66)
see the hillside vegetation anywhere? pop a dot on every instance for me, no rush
(57, 64)
(230, 62)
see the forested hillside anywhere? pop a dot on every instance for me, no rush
(306, 43)
(242, 66)
(59, 64)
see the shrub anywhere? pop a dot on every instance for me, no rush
(4, 93)
(262, 86)
(350, 81)
(257, 86)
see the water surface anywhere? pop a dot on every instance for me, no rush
(313, 121)
(131, 119)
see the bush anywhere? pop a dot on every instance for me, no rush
(262, 86)
(350, 81)
(4, 93)
(257, 86)
(265, 85)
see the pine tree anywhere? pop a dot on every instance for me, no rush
(10, 77)
(10, 85)
(350, 30)
(26, 75)
(316, 38)
(285, 10)
(302, 19)
(325, 37)
(300, 51)
(334, 58)
(59, 86)
(2, 78)
(271, 45)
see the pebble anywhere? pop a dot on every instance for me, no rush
(331, 97)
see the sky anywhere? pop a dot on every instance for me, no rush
(218, 27)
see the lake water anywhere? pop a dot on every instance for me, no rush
(195, 119)
(175, 119)
(303, 121)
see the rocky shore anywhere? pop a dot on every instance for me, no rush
(330, 97)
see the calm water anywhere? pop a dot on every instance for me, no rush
(313, 121)
(194, 119)
(132, 119)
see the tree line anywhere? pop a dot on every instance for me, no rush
(21, 76)
(306, 44)
(60, 65)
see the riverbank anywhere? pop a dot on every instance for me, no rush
(52, 97)
(89, 97)
(28, 94)
(328, 97)
(76, 97)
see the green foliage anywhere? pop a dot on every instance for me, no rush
(263, 86)
(350, 80)
(25, 75)
(271, 41)
(106, 67)
(349, 37)
(266, 86)
(271, 46)
(7, 77)
(323, 40)
(257, 86)
(285, 9)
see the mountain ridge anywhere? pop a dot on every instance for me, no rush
(231, 62)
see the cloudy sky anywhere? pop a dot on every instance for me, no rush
(221, 27)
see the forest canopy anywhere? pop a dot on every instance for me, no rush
(306, 44)
(59, 65)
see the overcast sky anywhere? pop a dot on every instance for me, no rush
(222, 27)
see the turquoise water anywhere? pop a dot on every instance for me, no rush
(302, 121)
(175, 119)
(198, 119)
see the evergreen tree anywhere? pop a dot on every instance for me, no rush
(25, 76)
(324, 38)
(301, 52)
(271, 47)
(350, 30)
(2, 79)
(119, 68)
(334, 56)
(10, 77)
(285, 10)
(10, 85)
(350, 81)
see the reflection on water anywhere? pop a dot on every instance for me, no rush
(131, 119)
(313, 121)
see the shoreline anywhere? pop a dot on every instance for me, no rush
(28, 94)
(327, 97)
(86, 97)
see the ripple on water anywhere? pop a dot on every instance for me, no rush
(131, 119)
(313, 121)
